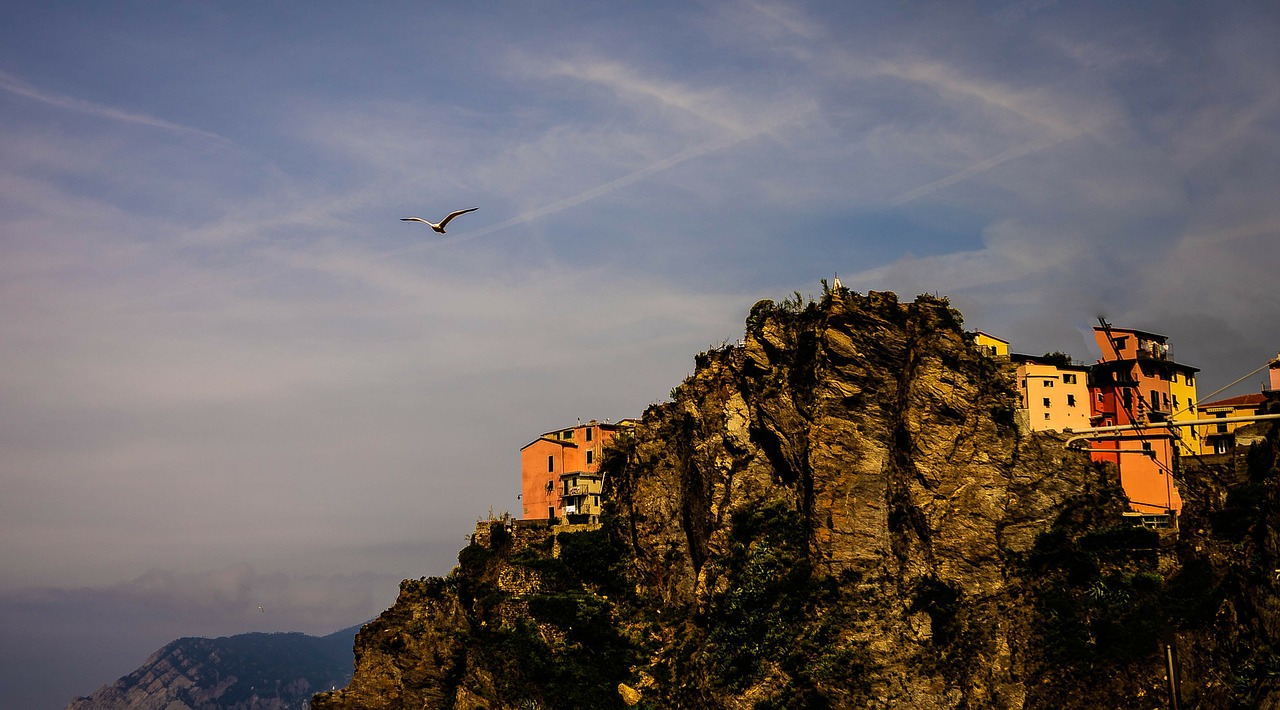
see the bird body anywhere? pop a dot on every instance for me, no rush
(438, 227)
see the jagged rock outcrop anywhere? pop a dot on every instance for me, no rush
(840, 512)
(255, 671)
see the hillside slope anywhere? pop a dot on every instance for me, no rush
(255, 671)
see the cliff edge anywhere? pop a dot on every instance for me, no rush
(841, 512)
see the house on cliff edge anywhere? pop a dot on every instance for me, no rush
(1054, 393)
(1221, 438)
(1135, 383)
(559, 471)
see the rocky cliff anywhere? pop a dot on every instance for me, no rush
(244, 672)
(842, 513)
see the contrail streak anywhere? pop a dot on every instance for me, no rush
(560, 205)
(14, 85)
(985, 165)
(587, 195)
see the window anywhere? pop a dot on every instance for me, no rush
(551, 464)
(1046, 403)
(588, 434)
(1155, 399)
(1069, 379)
(1100, 398)
(1047, 383)
(551, 513)
(1071, 400)
(590, 456)
(1046, 415)
(1222, 428)
(1175, 401)
(1165, 398)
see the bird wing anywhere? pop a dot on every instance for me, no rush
(414, 219)
(445, 221)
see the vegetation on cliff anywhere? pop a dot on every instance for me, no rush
(841, 512)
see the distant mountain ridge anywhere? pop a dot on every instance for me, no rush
(263, 671)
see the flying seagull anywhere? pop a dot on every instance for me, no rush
(438, 227)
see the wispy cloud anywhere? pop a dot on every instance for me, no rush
(983, 166)
(17, 86)
(712, 106)
(691, 153)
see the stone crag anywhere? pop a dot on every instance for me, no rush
(840, 512)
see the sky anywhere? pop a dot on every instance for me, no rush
(231, 378)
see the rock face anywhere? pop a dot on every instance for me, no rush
(838, 513)
(244, 672)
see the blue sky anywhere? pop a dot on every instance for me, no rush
(232, 378)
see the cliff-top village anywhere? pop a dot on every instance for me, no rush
(1136, 407)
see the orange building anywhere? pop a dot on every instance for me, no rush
(1130, 385)
(559, 470)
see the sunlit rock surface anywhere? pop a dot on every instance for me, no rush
(841, 512)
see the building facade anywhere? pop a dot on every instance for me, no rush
(559, 471)
(990, 344)
(1136, 383)
(1133, 384)
(1055, 394)
(1221, 438)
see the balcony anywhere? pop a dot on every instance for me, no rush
(580, 505)
(1153, 350)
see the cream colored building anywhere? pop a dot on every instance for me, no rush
(1055, 396)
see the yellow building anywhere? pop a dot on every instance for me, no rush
(990, 344)
(1055, 394)
(1182, 396)
(1221, 438)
